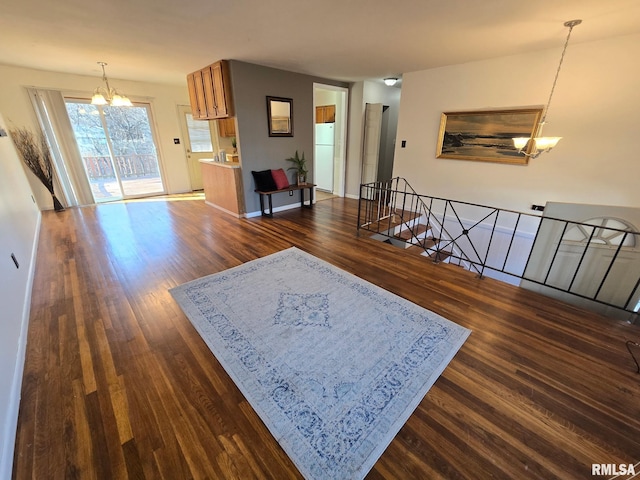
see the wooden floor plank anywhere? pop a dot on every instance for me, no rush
(118, 384)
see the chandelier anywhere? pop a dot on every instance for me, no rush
(108, 95)
(544, 144)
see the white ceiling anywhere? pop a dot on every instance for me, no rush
(163, 40)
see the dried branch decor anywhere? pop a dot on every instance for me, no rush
(36, 155)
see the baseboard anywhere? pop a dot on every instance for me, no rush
(9, 434)
(237, 215)
(277, 209)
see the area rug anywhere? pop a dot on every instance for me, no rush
(332, 364)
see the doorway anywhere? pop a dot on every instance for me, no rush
(330, 154)
(118, 150)
(200, 140)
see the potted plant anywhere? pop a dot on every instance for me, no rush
(234, 144)
(300, 165)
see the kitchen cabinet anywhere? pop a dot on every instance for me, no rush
(227, 127)
(210, 92)
(326, 114)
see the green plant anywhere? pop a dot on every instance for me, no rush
(299, 164)
(234, 143)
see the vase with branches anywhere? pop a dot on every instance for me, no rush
(34, 152)
(300, 166)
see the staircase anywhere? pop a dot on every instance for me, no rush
(410, 230)
(499, 243)
(418, 237)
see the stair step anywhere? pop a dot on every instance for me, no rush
(414, 231)
(386, 219)
(426, 243)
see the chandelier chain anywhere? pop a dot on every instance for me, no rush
(555, 80)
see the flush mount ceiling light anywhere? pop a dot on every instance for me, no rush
(108, 95)
(544, 144)
(390, 81)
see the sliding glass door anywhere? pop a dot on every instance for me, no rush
(118, 151)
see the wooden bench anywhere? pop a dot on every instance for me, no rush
(290, 188)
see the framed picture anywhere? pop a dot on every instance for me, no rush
(280, 116)
(487, 136)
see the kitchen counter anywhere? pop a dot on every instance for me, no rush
(208, 161)
(223, 186)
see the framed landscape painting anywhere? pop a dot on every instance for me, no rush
(487, 136)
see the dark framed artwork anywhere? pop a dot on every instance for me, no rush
(280, 116)
(487, 136)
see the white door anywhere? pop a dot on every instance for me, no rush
(198, 141)
(561, 259)
(372, 129)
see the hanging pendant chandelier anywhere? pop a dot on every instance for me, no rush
(544, 144)
(108, 95)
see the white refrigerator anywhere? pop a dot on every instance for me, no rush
(325, 140)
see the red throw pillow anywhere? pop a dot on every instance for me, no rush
(280, 178)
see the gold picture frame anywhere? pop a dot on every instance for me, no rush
(487, 135)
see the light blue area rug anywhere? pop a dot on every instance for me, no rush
(333, 365)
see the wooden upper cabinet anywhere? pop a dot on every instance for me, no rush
(326, 114)
(222, 89)
(227, 127)
(193, 94)
(210, 92)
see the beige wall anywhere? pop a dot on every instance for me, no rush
(164, 99)
(596, 108)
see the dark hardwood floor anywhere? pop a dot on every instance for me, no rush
(118, 384)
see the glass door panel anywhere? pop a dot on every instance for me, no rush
(94, 149)
(134, 150)
(117, 149)
(199, 135)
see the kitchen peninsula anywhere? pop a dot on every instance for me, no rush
(223, 186)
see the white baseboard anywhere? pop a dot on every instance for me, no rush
(276, 209)
(10, 430)
(224, 209)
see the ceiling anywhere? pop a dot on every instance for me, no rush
(163, 40)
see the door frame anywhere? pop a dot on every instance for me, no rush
(340, 146)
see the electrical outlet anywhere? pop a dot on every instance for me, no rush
(403, 144)
(537, 208)
(15, 260)
(291, 193)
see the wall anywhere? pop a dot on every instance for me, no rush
(595, 109)
(251, 85)
(362, 93)
(19, 226)
(164, 99)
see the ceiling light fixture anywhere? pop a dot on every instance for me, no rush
(544, 144)
(391, 81)
(108, 95)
